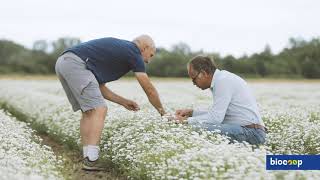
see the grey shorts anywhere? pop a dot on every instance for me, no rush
(79, 83)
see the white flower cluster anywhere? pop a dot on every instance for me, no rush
(46, 109)
(291, 111)
(21, 155)
(145, 146)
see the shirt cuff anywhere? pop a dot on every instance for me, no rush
(198, 112)
(192, 121)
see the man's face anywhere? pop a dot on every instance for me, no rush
(147, 53)
(200, 79)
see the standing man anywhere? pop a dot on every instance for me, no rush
(234, 111)
(83, 71)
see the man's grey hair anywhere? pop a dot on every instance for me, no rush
(203, 63)
(146, 40)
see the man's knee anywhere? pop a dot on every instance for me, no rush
(98, 110)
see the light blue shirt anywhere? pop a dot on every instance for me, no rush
(233, 102)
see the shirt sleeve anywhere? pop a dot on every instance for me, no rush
(215, 115)
(198, 112)
(138, 65)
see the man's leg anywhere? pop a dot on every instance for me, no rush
(85, 94)
(91, 127)
(235, 132)
(239, 133)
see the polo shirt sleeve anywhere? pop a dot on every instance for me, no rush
(138, 65)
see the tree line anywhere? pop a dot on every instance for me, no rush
(300, 59)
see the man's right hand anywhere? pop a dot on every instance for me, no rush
(184, 112)
(131, 105)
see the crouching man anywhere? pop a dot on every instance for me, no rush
(234, 111)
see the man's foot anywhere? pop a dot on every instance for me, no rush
(96, 165)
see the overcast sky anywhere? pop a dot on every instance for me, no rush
(227, 27)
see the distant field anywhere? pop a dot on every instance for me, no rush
(33, 77)
(53, 77)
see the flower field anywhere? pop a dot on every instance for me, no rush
(21, 155)
(142, 145)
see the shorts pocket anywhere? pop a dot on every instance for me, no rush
(91, 91)
(84, 86)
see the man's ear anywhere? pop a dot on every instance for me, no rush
(146, 47)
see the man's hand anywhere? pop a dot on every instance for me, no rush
(131, 105)
(184, 113)
(176, 119)
(181, 119)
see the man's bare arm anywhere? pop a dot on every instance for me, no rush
(150, 91)
(111, 96)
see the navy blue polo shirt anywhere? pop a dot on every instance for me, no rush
(109, 58)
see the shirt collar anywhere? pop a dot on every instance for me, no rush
(215, 75)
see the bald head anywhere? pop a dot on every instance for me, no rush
(144, 40)
(146, 46)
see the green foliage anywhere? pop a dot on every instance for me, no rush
(300, 59)
(170, 64)
(15, 58)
